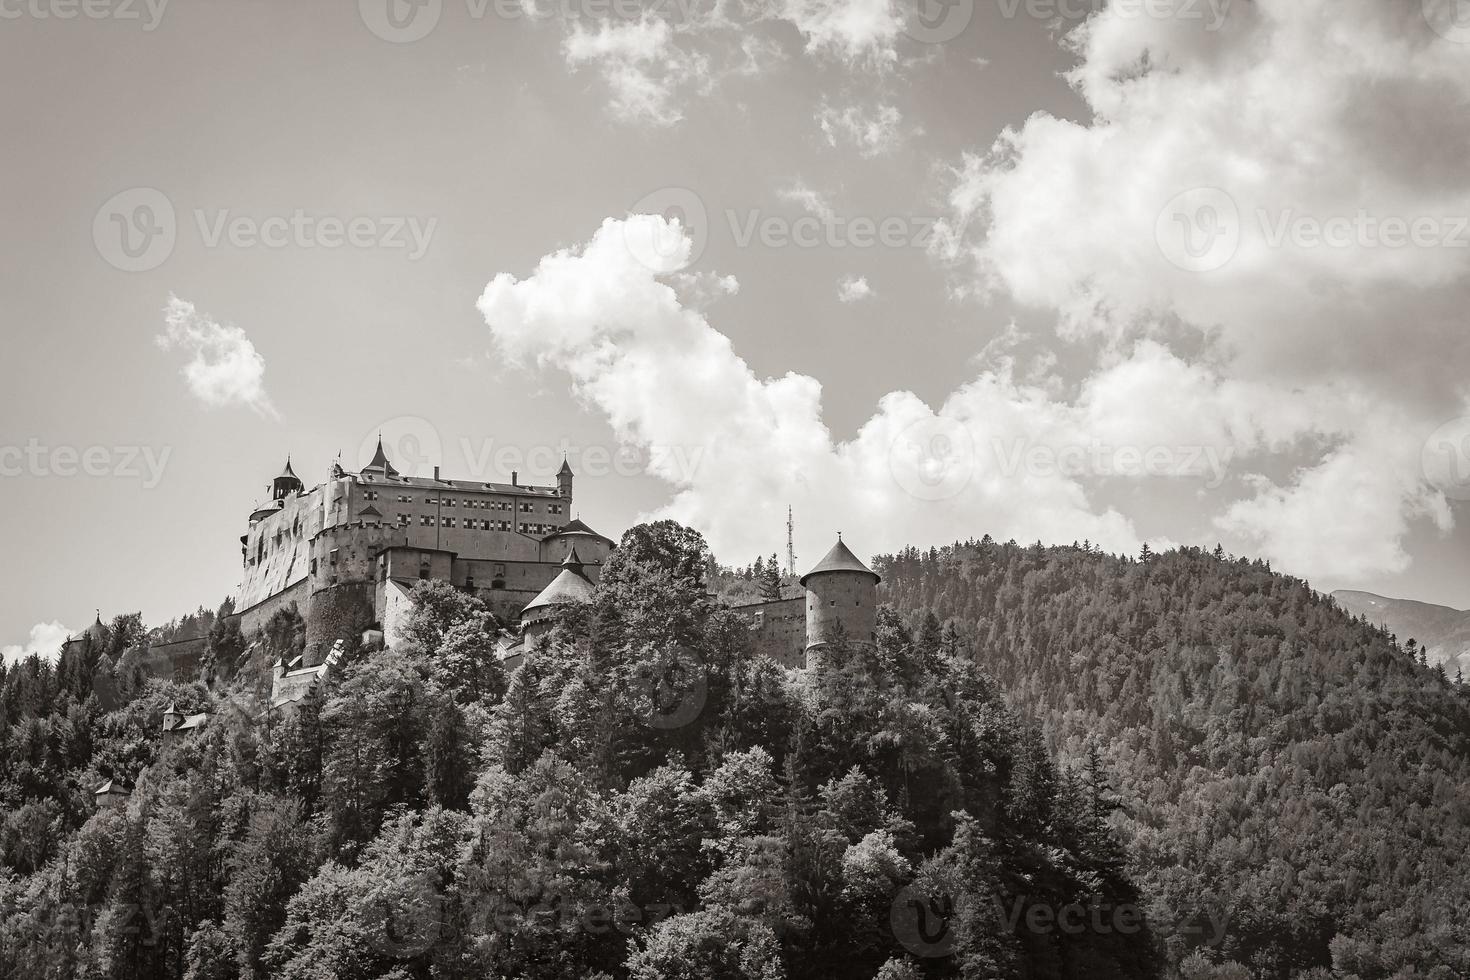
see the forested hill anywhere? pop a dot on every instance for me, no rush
(1283, 766)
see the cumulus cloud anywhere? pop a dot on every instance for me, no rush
(852, 289)
(1001, 455)
(224, 368)
(871, 129)
(45, 639)
(1284, 190)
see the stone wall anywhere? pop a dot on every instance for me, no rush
(778, 629)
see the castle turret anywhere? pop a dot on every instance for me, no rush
(564, 480)
(172, 718)
(286, 484)
(840, 590)
(380, 463)
(570, 585)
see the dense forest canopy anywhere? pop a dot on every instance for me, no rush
(1051, 763)
(1282, 767)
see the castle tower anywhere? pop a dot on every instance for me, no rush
(840, 589)
(564, 480)
(285, 484)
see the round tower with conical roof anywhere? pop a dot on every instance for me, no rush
(285, 484)
(840, 590)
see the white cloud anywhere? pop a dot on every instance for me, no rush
(810, 199)
(45, 639)
(872, 129)
(224, 367)
(642, 65)
(851, 289)
(1336, 112)
(851, 30)
(670, 53)
(736, 449)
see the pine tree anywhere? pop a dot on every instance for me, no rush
(770, 580)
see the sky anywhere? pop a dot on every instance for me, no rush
(1163, 271)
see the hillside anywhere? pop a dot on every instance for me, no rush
(1442, 631)
(640, 798)
(1284, 768)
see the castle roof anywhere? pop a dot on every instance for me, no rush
(840, 559)
(380, 461)
(113, 786)
(572, 560)
(370, 511)
(576, 527)
(372, 474)
(566, 468)
(288, 473)
(568, 586)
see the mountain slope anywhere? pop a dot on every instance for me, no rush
(1445, 632)
(1295, 786)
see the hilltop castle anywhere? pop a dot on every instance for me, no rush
(348, 551)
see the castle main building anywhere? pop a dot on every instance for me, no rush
(348, 551)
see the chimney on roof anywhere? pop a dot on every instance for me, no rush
(436, 473)
(515, 478)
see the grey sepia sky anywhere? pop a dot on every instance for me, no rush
(1176, 271)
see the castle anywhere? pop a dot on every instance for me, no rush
(348, 552)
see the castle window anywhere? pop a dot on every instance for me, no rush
(403, 520)
(313, 566)
(469, 581)
(370, 495)
(448, 501)
(497, 583)
(525, 508)
(333, 556)
(485, 525)
(404, 500)
(448, 522)
(553, 508)
(431, 500)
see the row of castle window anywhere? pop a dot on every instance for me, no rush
(471, 524)
(525, 508)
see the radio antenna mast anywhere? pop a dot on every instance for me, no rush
(790, 543)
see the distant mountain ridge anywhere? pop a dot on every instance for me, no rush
(1445, 631)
